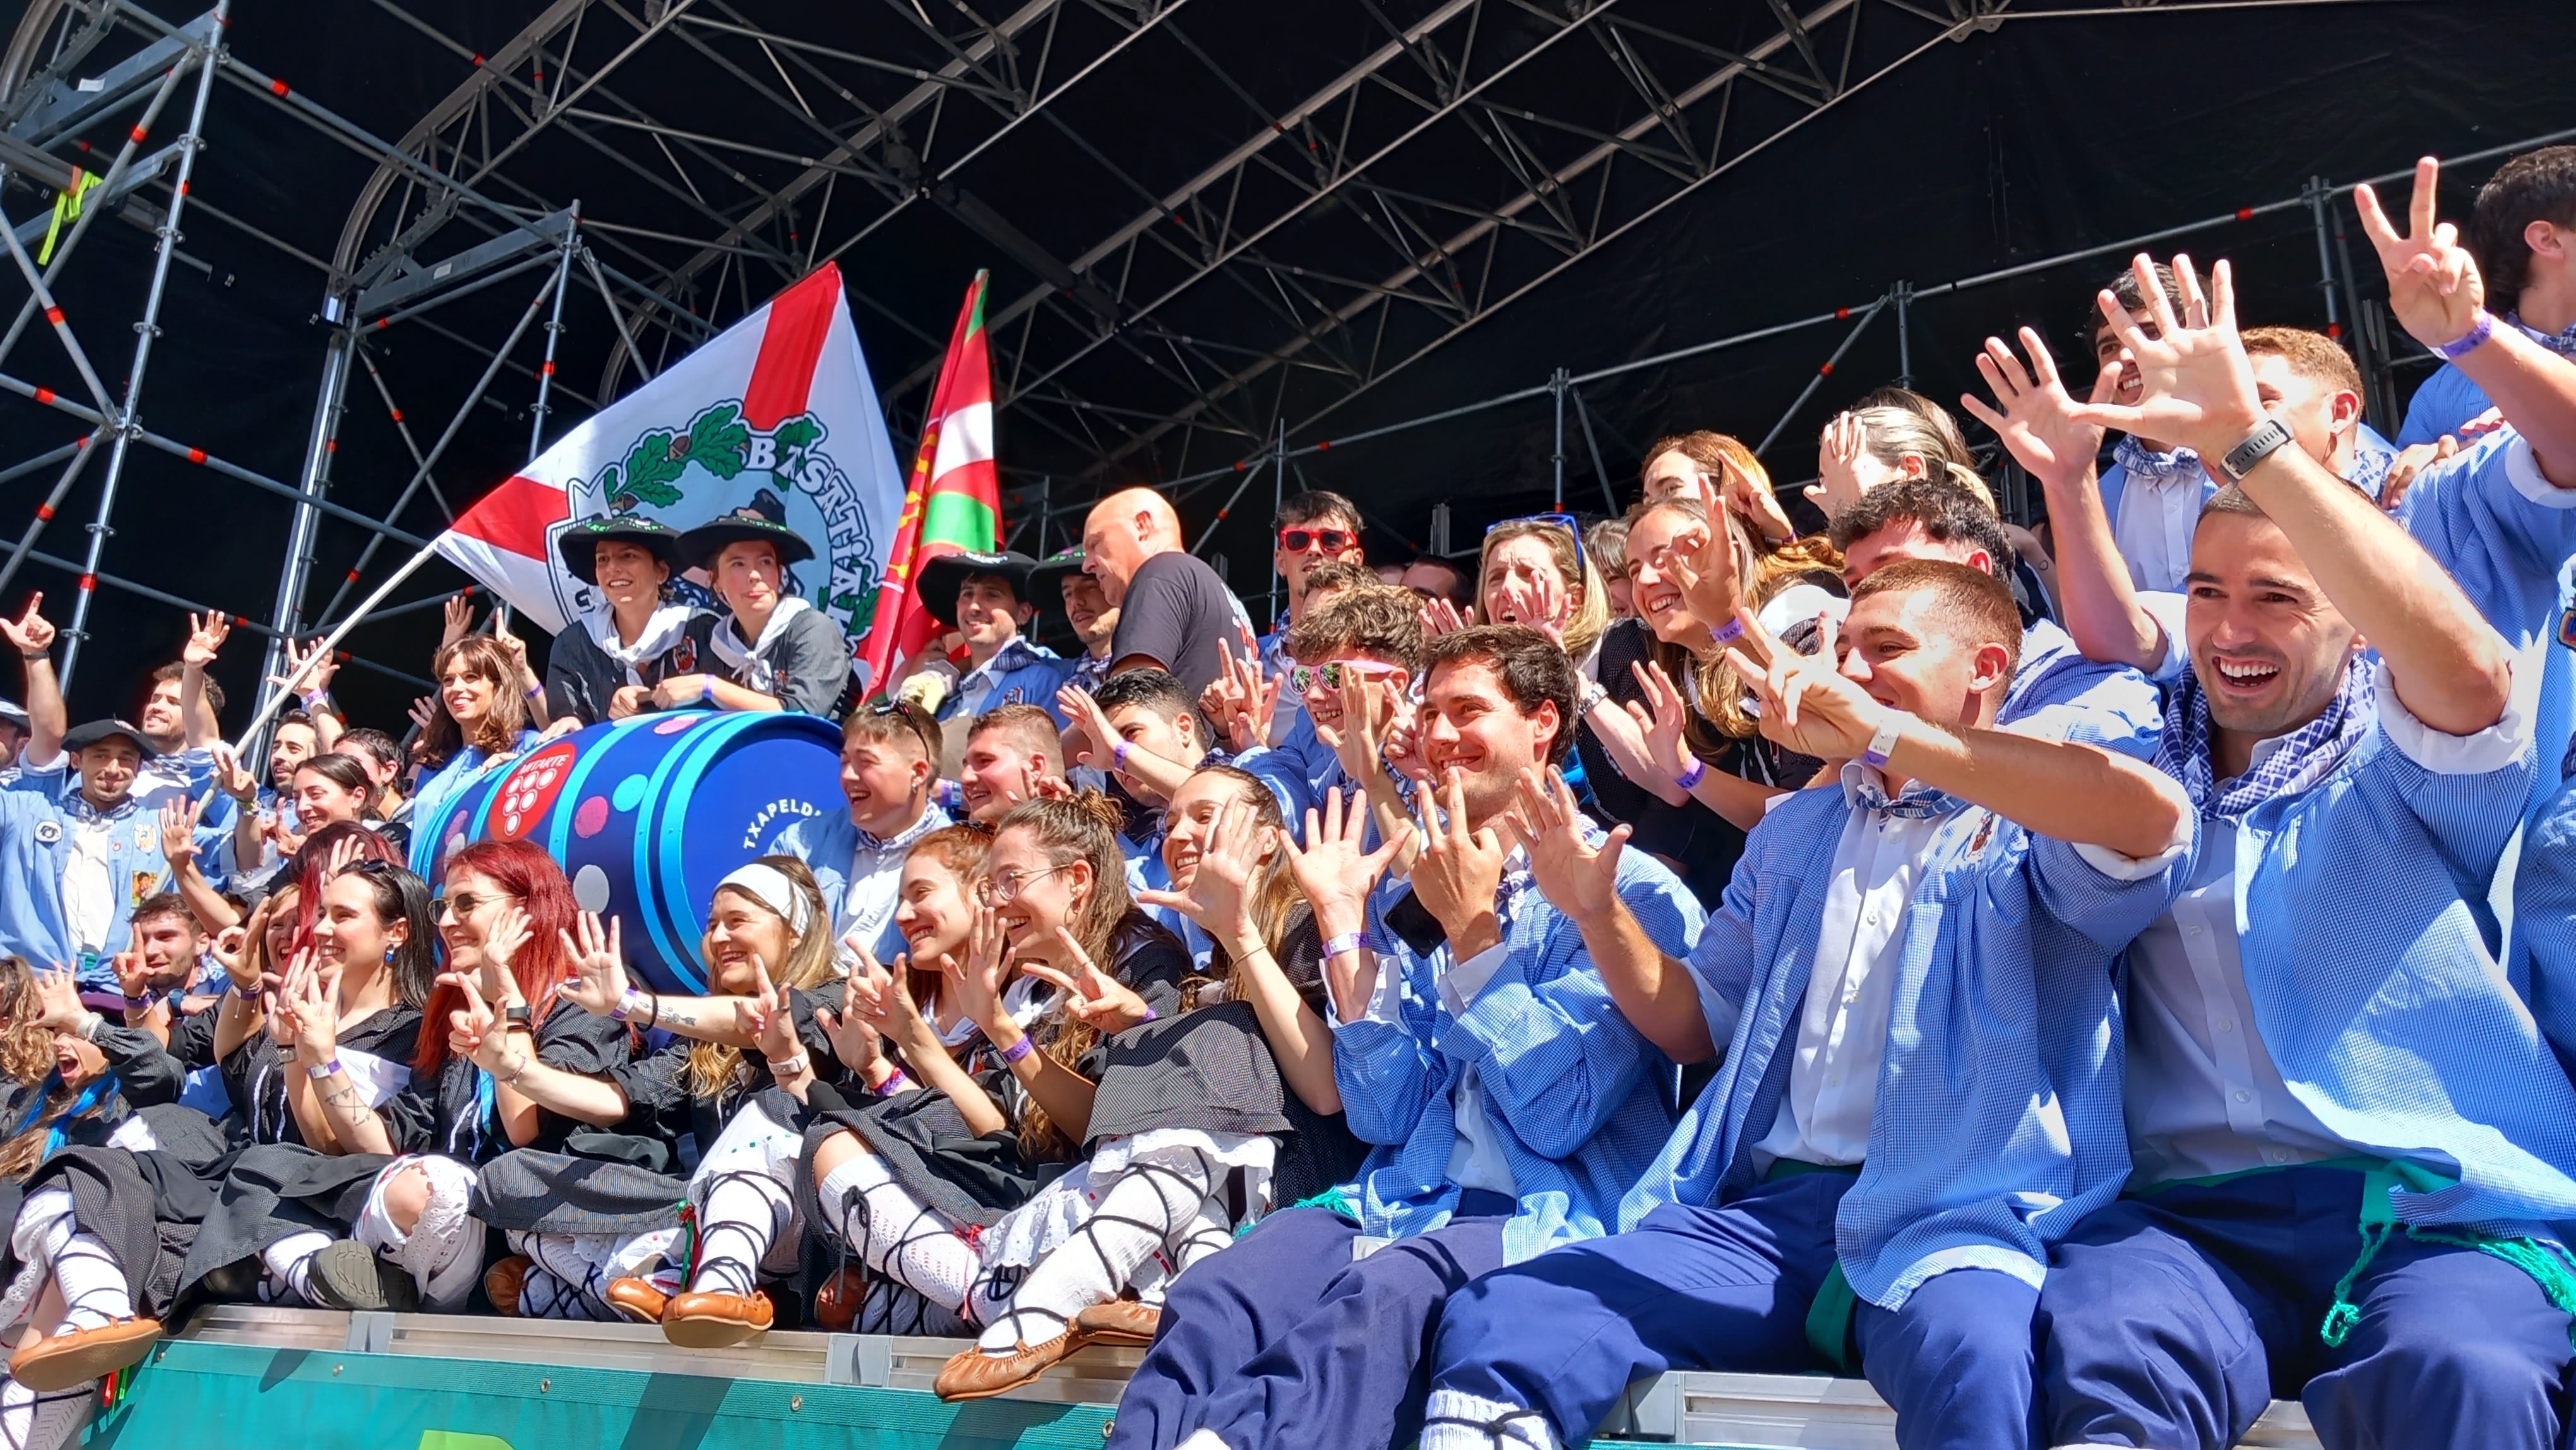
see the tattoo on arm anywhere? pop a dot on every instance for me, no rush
(346, 1098)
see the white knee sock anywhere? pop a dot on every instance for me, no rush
(890, 1308)
(286, 1268)
(94, 1289)
(894, 1234)
(740, 1219)
(30, 1421)
(1454, 1421)
(1150, 1206)
(573, 1271)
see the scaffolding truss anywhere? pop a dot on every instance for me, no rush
(1213, 300)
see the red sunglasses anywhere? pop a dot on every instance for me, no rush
(1332, 541)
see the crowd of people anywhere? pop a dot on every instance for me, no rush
(2062, 975)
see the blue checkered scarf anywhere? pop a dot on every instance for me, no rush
(2141, 462)
(2306, 756)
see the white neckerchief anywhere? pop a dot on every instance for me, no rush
(736, 654)
(88, 892)
(662, 631)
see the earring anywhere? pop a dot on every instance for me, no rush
(389, 955)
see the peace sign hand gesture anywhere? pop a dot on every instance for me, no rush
(777, 1038)
(1460, 872)
(2433, 282)
(1808, 704)
(1092, 995)
(857, 1030)
(978, 978)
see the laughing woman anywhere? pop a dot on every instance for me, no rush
(920, 1185)
(479, 718)
(606, 1252)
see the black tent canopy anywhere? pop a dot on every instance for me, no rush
(1236, 248)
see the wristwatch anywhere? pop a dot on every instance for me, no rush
(517, 1016)
(2267, 436)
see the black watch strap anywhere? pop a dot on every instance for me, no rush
(2260, 444)
(519, 1014)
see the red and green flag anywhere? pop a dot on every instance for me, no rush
(953, 501)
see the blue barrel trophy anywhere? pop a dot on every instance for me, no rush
(647, 814)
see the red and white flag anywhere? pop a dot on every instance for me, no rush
(775, 416)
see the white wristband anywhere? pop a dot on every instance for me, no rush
(1880, 744)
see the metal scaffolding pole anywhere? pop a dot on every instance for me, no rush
(107, 188)
(80, 451)
(1556, 460)
(554, 329)
(165, 242)
(286, 617)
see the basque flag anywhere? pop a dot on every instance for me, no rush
(954, 501)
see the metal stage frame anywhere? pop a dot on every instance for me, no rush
(445, 216)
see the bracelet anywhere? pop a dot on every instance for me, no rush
(2460, 347)
(35, 654)
(1150, 1014)
(656, 999)
(627, 1002)
(1689, 779)
(1728, 633)
(1118, 755)
(324, 1070)
(1884, 742)
(513, 1079)
(1593, 696)
(1345, 944)
(1018, 1050)
(790, 1066)
(897, 1079)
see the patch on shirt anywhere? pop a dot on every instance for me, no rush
(144, 882)
(684, 655)
(48, 832)
(2567, 627)
(145, 833)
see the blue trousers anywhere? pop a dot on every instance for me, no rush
(1285, 1336)
(2171, 1319)
(1729, 1289)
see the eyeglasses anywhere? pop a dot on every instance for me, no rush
(464, 905)
(1004, 889)
(1302, 678)
(1573, 529)
(1331, 541)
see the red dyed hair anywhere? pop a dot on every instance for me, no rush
(532, 876)
(306, 868)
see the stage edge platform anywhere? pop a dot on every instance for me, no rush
(255, 1377)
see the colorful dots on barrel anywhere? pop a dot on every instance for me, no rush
(590, 888)
(590, 816)
(629, 793)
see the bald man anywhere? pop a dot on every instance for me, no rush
(1174, 613)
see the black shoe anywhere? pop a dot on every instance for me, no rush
(348, 1275)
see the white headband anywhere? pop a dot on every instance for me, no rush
(770, 887)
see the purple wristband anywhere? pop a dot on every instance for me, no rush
(1690, 776)
(1150, 1014)
(1118, 754)
(899, 1080)
(1018, 1050)
(1729, 633)
(2460, 347)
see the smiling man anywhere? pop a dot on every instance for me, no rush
(984, 597)
(889, 753)
(1509, 1102)
(1013, 754)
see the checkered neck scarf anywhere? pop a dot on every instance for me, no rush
(932, 818)
(2561, 343)
(2305, 756)
(1917, 802)
(2140, 463)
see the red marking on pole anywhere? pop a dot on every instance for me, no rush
(137, 133)
(478, 59)
(88, 582)
(550, 367)
(54, 315)
(353, 576)
(2245, 213)
(45, 396)
(2334, 330)
(381, 323)
(196, 455)
(80, 443)
(1841, 312)
(1221, 513)
(1826, 371)
(278, 86)
(541, 78)
(183, 187)
(241, 621)
(83, 143)
(1323, 443)
(330, 445)
(397, 415)
(44, 513)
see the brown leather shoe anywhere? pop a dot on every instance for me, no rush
(713, 1321)
(503, 1281)
(637, 1299)
(1120, 1321)
(63, 1360)
(971, 1374)
(837, 1303)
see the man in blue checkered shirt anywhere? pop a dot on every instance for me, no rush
(1912, 980)
(1510, 1103)
(2350, 1144)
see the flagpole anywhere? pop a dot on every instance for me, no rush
(278, 696)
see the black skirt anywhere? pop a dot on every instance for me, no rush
(144, 1207)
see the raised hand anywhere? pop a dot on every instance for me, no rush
(1837, 486)
(132, 978)
(1333, 869)
(1808, 704)
(470, 1031)
(977, 978)
(1090, 724)
(1459, 872)
(308, 671)
(316, 1014)
(232, 950)
(2433, 282)
(1220, 894)
(206, 635)
(1753, 503)
(1440, 617)
(1577, 877)
(1091, 995)
(2196, 387)
(777, 1039)
(856, 1030)
(179, 820)
(58, 1002)
(343, 856)
(232, 777)
(423, 710)
(503, 940)
(2033, 414)
(457, 619)
(1358, 741)
(281, 833)
(1661, 719)
(1702, 561)
(31, 632)
(597, 956)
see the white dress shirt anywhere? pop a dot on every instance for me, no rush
(2154, 529)
(2204, 1095)
(1842, 1030)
